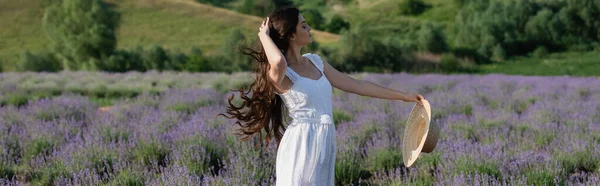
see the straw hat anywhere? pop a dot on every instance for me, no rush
(419, 134)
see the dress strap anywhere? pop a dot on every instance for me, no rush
(291, 74)
(316, 60)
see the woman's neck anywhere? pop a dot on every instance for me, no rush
(293, 55)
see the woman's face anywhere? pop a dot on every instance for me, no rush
(302, 36)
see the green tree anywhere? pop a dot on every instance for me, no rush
(261, 7)
(498, 29)
(586, 14)
(431, 38)
(81, 32)
(231, 57)
(337, 24)
(155, 58)
(359, 53)
(197, 62)
(314, 18)
(123, 61)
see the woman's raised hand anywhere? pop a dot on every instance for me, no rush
(264, 28)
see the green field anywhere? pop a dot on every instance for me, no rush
(22, 28)
(176, 25)
(182, 24)
(568, 63)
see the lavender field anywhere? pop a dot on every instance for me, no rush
(162, 129)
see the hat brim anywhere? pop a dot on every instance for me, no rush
(415, 132)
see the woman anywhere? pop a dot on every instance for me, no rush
(302, 84)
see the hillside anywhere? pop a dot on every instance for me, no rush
(174, 24)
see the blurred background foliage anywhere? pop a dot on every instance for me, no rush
(528, 37)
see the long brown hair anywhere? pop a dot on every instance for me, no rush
(262, 108)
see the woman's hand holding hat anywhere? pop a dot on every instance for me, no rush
(414, 97)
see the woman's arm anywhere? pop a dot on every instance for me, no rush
(276, 59)
(366, 88)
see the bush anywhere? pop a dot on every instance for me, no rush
(154, 58)
(422, 36)
(540, 52)
(450, 63)
(140, 59)
(412, 7)
(123, 61)
(198, 63)
(176, 61)
(15, 99)
(337, 24)
(43, 62)
(231, 59)
(471, 54)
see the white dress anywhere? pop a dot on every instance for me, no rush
(306, 154)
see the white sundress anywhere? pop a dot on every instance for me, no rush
(306, 154)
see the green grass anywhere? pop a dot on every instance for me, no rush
(384, 159)
(21, 29)
(150, 153)
(469, 166)
(341, 116)
(47, 174)
(177, 26)
(568, 63)
(128, 178)
(540, 177)
(349, 169)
